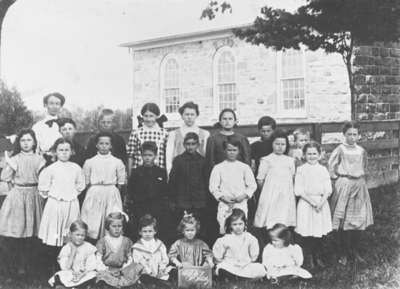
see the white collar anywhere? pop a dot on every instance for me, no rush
(49, 117)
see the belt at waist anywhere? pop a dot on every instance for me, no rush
(350, 177)
(26, 185)
(103, 184)
(62, 200)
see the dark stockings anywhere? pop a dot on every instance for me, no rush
(349, 244)
(148, 280)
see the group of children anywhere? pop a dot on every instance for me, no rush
(216, 181)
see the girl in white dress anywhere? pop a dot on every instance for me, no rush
(277, 202)
(313, 186)
(281, 258)
(60, 183)
(77, 260)
(105, 174)
(236, 252)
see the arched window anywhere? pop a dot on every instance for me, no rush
(292, 73)
(225, 91)
(170, 90)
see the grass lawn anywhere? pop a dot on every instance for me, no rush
(381, 244)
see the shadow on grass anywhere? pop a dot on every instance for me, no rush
(380, 248)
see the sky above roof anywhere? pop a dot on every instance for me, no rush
(72, 46)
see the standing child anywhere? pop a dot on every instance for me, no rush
(151, 253)
(175, 145)
(281, 258)
(106, 124)
(188, 181)
(114, 250)
(190, 251)
(313, 186)
(68, 129)
(77, 259)
(215, 152)
(350, 202)
(147, 189)
(236, 252)
(21, 211)
(105, 174)
(301, 138)
(232, 183)
(151, 129)
(277, 202)
(60, 183)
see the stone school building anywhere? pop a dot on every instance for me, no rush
(217, 70)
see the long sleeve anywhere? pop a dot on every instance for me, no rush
(121, 173)
(365, 161)
(215, 183)
(210, 154)
(66, 257)
(87, 172)
(203, 149)
(164, 258)
(173, 178)
(45, 180)
(297, 254)
(254, 248)
(267, 258)
(169, 151)
(80, 181)
(173, 251)
(263, 170)
(250, 182)
(334, 161)
(219, 250)
(246, 151)
(299, 188)
(207, 253)
(92, 263)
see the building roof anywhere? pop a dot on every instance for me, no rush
(175, 39)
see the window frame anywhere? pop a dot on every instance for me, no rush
(216, 97)
(164, 61)
(281, 111)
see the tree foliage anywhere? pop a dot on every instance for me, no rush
(14, 115)
(336, 26)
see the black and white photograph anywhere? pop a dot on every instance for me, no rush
(199, 144)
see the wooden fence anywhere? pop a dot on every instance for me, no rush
(379, 138)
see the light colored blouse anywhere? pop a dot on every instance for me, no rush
(232, 179)
(23, 169)
(348, 160)
(104, 170)
(312, 180)
(236, 249)
(62, 181)
(78, 259)
(46, 135)
(275, 258)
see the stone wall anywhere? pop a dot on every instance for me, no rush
(377, 81)
(326, 83)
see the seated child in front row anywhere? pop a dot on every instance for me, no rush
(77, 259)
(236, 252)
(280, 258)
(190, 251)
(151, 253)
(114, 250)
(232, 183)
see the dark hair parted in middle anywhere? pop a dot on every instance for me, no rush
(190, 105)
(149, 146)
(152, 107)
(266, 120)
(350, 124)
(281, 232)
(237, 214)
(17, 144)
(233, 142)
(279, 133)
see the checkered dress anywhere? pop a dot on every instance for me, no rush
(142, 134)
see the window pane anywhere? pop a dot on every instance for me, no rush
(226, 68)
(171, 97)
(293, 94)
(292, 63)
(227, 96)
(171, 74)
